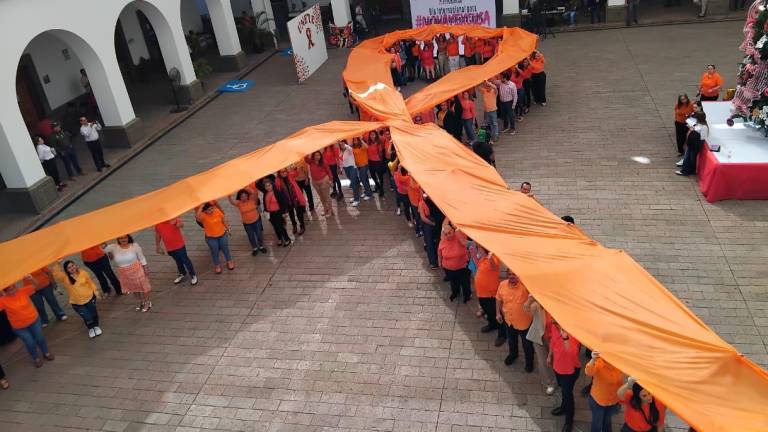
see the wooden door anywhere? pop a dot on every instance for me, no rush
(27, 106)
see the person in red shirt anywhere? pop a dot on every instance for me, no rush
(469, 51)
(376, 163)
(275, 204)
(453, 257)
(564, 360)
(169, 233)
(321, 176)
(331, 157)
(489, 49)
(294, 199)
(428, 61)
(454, 61)
(96, 260)
(468, 116)
(642, 411)
(25, 321)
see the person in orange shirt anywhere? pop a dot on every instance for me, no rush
(301, 175)
(603, 397)
(489, 49)
(510, 299)
(25, 321)
(216, 234)
(486, 286)
(538, 78)
(454, 61)
(469, 51)
(275, 205)
(490, 93)
(247, 201)
(683, 110)
(710, 84)
(564, 359)
(402, 182)
(452, 256)
(414, 198)
(42, 280)
(97, 261)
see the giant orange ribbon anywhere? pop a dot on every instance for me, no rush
(602, 296)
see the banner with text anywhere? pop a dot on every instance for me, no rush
(453, 12)
(308, 42)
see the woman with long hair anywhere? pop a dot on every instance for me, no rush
(331, 157)
(247, 201)
(82, 294)
(131, 269)
(453, 257)
(294, 199)
(376, 161)
(214, 223)
(301, 170)
(683, 110)
(321, 177)
(25, 321)
(274, 203)
(517, 77)
(642, 411)
(697, 134)
(47, 156)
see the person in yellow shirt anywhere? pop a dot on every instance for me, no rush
(82, 294)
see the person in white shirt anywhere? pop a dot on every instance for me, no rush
(47, 157)
(350, 170)
(90, 132)
(698, 132)
(360, 18)
(132, 270)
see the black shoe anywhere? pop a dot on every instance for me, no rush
(510, 359)
(587, 388)
(487, 329)
(263, 249)
(528, 368)
(558, 411)
(333, 194)
(453, 297)
(499, 341)
(568, 427)
(467, 298)
(106, 165)
(254, 252)
(445, 278)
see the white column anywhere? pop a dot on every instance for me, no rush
(616, 3)
(341, 15)
(224, 26)
(265, 6)
(19, 164)
(510, 7)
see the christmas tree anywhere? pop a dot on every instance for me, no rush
(751, 99)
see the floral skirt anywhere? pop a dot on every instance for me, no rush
(133, 279)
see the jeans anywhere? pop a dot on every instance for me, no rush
(488, 304)
(508, 116)
(416, 219)
(362, 172)
(512, 336)
(601, 416)
(594, 14)
(336, 183)
(47, 294)
(570, 16)
(492, 120)
(431, 233)
(631, 12)
(377, 170)
(691, 153)
(304, 185)
(255, 233)
(354, 181)
(88, 313)
(278, 223)
(32, 336)
(97, 153)
(406, 204)
(71, 163)
(520, 107)
(183, 263)
(459, 280)
(469, 128)
(104, 273)
(217, 245)
(566, 383)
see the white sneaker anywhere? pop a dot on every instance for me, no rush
(91, 333)
(193, 281)
(178, 279)
(355, 203)
(398, 211)
(679, 163)
(63, 318)
(550, 390)
(44, 325)
(351, 200)
(97, 331)
(366, 198)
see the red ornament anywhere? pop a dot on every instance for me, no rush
(765, 92)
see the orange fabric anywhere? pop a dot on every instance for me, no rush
(600, 295)
(537, 64)
(707, 83)
(513, 298)
(487, 276)
(683, 112)
(606, 381)
(19, 308)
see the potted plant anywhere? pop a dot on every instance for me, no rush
(202, 68)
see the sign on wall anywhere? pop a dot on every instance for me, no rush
(453, 12)
(308, 42)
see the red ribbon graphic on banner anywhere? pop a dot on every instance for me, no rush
(310, 44)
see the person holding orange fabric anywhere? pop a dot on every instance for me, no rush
(247, 201)
(169, 233)
(468, 116)
(538, 78)
(96, 260)
(294, 199)
(216, 234)
(452, 256)
(428, 61)
(486, 287)
(274, 203)
(510, 299)
(603, 398)
(331, 157)
(454, 61)
(42, 280)
(25, 321)
(132, 269)
(82, 294)
(538, 334)
(683, 110)
(469, 51)
(301, 170)
(321, 176)
(489, 49)
(710, 84)
(402, 182)
(564, 360)
(430, 224)
(642, 411)
(360, 153)
(414, 198)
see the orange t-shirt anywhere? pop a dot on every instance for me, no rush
(636, 419)
(487, 276)
(513, 298)
(414, 192)
(19, 308)
(683, 112)
(213, 224)
(249, 211)
(708, 82)
(489, 98)
(469, 47)
(92, 253)
(453, 253)
(605, 383)
(41, 277)
(537, 64)
(453, 47)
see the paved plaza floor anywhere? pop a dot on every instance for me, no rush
(349, 330)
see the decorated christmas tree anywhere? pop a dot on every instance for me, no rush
(751, 99)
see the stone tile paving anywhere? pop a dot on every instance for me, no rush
(349, 330)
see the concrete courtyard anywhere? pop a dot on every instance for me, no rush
(349, 330)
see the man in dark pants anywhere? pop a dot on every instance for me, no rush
(96, 260)
(90, 132)
(510, 298)
(487, 285)
(62, 142)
